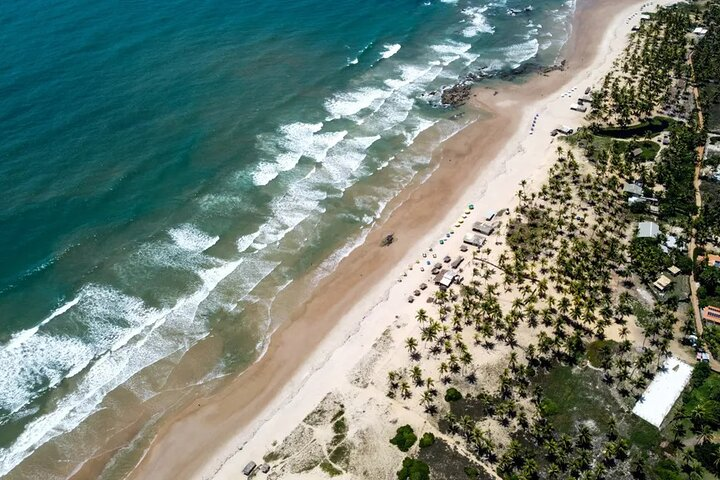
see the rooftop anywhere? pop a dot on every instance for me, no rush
(633, 189)
(661, 394)
(648, 229)
(711, 314)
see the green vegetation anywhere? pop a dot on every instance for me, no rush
(707, 66)
(655, 56)
(709, 290)
(648, 259)
(413, 469)
(330, 469)
(472, 472)
(708, 224)
(340, 455)
(452, 395)
(675, 171)
(711, 337)
(404, 438)
(701, 404)
(600, 353)
(340, 430)
(426, 440)
(565, 396)
(647, 128)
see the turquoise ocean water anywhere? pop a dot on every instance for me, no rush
(167, 168)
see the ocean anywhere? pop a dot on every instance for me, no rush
(168, 169)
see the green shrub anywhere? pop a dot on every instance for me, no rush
(404, 438)
(330, 469)
(427, 440)
(413, 469)
(452, 395)
(706, 454)
(666, 469)
(472, 472)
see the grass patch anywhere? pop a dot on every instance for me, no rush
(339, 414)
(574, 396)
(340, 455)
(600, 351)
(448, 464)
(330, 469)
(641, 312)
(340, 429)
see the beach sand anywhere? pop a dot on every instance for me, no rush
(320, 348)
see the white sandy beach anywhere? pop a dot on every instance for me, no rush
(526, 156)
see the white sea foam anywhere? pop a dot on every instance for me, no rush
(420, 125)
(340, 166)
(190, 238)
(390, 50)
(353, 61)
(347, 104)
(292, 142)
(478, 23)
(451, 51)
(19, 338)
(515, 55)
(124, 336)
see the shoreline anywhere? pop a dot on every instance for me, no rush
(249, 406)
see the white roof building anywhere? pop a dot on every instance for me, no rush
(648, 229)
(663, 391)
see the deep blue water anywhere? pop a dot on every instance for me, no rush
(165, 164)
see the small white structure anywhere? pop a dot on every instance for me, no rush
(474, 239)
(578, 108)
(663, 391)
(648, 230)
(633, 189)
(700, 31)
(447, 279)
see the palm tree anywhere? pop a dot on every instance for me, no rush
(411, 346)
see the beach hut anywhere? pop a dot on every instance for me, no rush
(474, 239)
(463, 248)
(456, 263)
(249, 469)
(662, 283)
(578, 108)
(585, 99)
(637, 152)
(673, 270)
(411, 299)
(423, 286)
(447, 279)
(484, 228)
(264, 468)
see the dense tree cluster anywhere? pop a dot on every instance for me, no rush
(655, 56)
